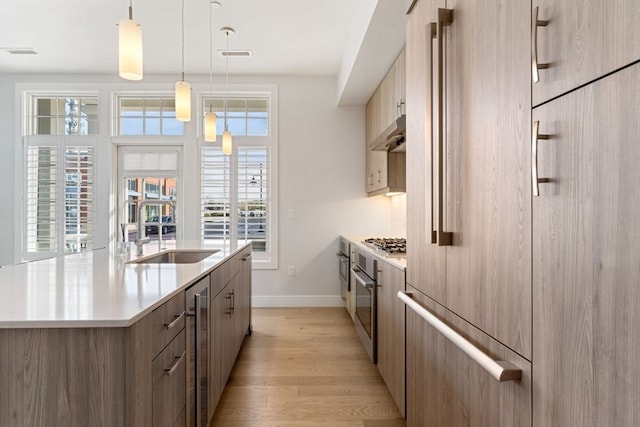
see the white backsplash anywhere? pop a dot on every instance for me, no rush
(399, 215)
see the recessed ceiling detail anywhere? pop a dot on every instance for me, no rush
(230, 52)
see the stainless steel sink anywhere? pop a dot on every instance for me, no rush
(177, 256)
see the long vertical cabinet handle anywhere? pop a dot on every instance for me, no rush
(500, 370)
(445, 18)
(198, 356)
(535, 136)
(535, 23)
(432, 33)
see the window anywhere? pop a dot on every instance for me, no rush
(245, 116)
(148, 174)
(63, 116)
(59, 180)
(238, 199)
(150, 116)
(59, 184)
(248, 200)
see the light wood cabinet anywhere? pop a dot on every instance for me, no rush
(221, 345)
(169, 373)
(482, 200)
(583, 41)
(474, 189)
(385, 172)
(425, 260)
(391, 330)
(586, 256)
(121, 376)
(230, 320)
(445, 388)
(387, 102)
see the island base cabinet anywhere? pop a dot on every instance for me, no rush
(169, 398)
(445, 388)
(62, 377)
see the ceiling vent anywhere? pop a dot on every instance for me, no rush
(21, 51)
(232, 53)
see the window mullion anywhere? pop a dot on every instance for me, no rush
(233, 193)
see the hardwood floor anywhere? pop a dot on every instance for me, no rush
(305, 367)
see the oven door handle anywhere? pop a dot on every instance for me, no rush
(361, 278)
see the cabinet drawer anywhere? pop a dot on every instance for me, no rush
(445, 387)
(167, 321)
(222, 275)
(169, 377)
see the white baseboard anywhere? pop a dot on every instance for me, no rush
(297, 301)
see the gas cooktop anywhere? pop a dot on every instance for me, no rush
(388, 246)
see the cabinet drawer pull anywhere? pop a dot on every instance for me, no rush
(171, 369)
(501, 370)
(445, 19)
(535, 23)
(535, 136)
(248, 257)
(176, 321)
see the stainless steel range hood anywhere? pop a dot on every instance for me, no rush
(392, 139)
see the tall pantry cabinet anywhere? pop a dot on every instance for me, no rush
(523, 204)
(469, 221)
(586, 219)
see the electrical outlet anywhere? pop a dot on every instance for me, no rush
(292, 214)
(292, 270)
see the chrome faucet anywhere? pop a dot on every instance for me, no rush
(140, 240)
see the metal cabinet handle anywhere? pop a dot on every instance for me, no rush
(535, 136)
(432, 33)
(445, 19)
(247, 257)
(535, 23)
(171, 369)
(176, 321)
(501, 370)
(365, 283)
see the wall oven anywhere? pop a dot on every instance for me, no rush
(344, 262)
(364, 271)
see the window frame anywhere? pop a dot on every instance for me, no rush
(261, 260)
(116, 116)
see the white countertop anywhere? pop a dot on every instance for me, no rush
(396, 261)
(96, 288)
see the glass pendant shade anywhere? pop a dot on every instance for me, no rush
(226, 143)
(210, 124)
(129, 50)
(183, 101)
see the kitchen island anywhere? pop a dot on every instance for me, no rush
(93, 339)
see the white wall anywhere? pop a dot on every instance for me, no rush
(321, 176)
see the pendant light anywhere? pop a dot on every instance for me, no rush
(183, 89)
(227, 139)
(129, 48)
(210, 120)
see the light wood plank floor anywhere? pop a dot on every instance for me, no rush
(305, 367)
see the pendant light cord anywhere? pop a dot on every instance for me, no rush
(130, 10)
(210, 53)
(182, 40)
(226, 127)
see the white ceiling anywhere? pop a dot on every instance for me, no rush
(354, 40)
